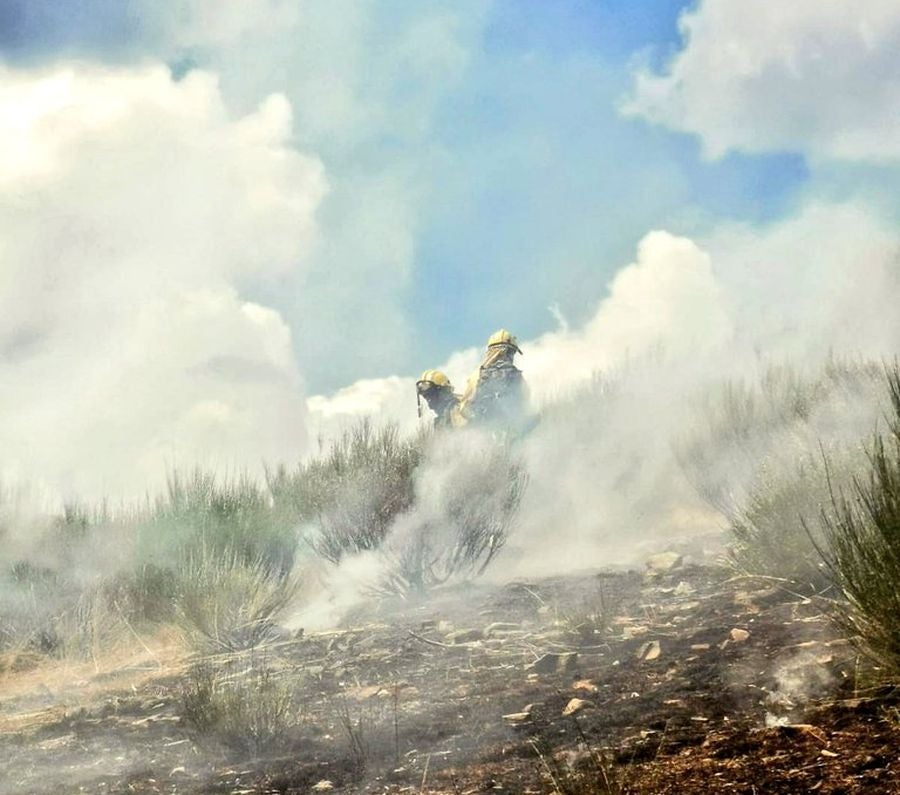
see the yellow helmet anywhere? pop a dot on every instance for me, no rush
(503, 337)
(435, 377)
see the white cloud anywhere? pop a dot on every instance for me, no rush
(817, 77)
(133, 210)
(220, 23)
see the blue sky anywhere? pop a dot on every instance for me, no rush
(218, 216)
(523, 185)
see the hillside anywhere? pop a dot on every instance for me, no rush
(677, 679)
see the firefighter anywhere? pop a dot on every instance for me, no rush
(436, 390)
(496, 393)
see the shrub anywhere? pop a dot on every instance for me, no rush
(146, 594)
(770, 532)
(863, 546)
(242, 705)
(234, 515)
(48, 613)
(468, 494)
(91, 625)
(741, 426)
(227, 603)
(30, 596)
(353, 494)
(209, 554)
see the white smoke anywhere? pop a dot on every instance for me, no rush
(133, 210)
(820, 283)
(681, 318)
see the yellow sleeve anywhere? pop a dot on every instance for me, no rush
(468, 395)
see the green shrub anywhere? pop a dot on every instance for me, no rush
(863, 546)
(771, 533)
(225, 603)
(200, 510)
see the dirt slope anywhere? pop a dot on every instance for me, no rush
(680, 680)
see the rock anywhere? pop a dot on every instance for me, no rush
(323, 786)
(520, 717)
(664, 561)
(763, 597)
(699, 647)
(684, 589)
(554, 663)
(738, 635)
(576, 705)
(649, 651)
(465, 636)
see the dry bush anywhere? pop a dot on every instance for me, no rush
(226, 603)
(31, 595)
(353, 494)
(89, 627)
(588, 771)
(588, 619)
(467, 498)
(242, 705)
(47, 613)
(862, 547)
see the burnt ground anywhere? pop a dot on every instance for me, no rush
(684, 680)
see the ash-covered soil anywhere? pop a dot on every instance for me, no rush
(678, 680)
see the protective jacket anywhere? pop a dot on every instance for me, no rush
(446, 407)
(497, 392)
(436, 390)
